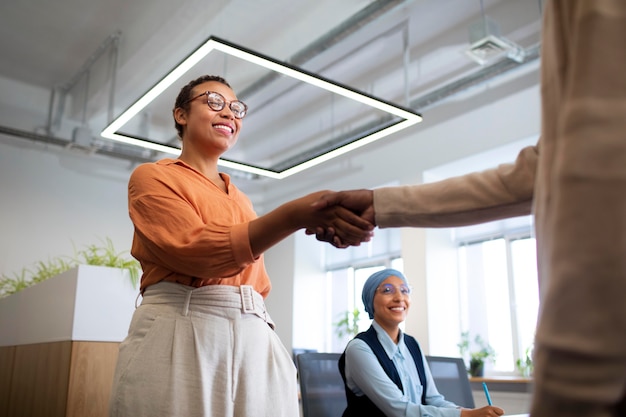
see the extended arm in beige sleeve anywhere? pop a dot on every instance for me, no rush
(502, 192)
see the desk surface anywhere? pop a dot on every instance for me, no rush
(507, 379)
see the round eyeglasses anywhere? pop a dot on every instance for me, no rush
(217, 102)
(390, 289)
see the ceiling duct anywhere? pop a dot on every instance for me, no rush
(129, 153)
(486, 43)
(481, 36)
(487, 73)
(429, 100)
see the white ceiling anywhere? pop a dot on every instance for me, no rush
(407, 52)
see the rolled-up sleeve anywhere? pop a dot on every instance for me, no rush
(501, 192)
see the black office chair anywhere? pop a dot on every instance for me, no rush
(321, 386)
(450, 376)
(299, 351)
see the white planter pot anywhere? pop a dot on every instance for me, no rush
(86, 303)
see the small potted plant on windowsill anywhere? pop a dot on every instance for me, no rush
(348, 325)
(525, 365)
(477, 358)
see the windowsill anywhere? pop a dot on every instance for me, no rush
(502, 383)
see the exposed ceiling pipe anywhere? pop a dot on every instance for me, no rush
(360, 19)
(337, 142)
(369, 13)
(112, 40)
(115, 51)
(419, 104)
(62, 90)
(336, 35)
(116, 152)
(481, 76)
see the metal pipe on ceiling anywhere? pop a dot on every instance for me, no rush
(373, 11)
(419, 104)
(346, 28)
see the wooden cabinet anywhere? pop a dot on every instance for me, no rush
(57, 379)
(59, 342)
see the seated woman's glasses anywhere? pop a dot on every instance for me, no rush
(389, 289)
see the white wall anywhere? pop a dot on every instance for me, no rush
(52, 202)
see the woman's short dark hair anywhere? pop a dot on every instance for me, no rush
(182, 101)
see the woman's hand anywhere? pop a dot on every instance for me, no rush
(359, 208)
(346, 228)
(488, 411)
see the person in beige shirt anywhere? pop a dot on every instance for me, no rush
(574, 182)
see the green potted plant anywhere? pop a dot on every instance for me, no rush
(525, 364)
(478, 353)
(90, 296)
(96, 255)
(348, 325)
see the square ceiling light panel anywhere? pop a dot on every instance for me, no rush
(296, 119)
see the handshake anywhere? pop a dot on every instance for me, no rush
(347, 217)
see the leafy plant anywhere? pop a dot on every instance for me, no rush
(12, 285)
(104, 255)
(477, 355)
(348, 325)
(52, 267)
(525, 365)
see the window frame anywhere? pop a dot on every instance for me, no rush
(508, 237)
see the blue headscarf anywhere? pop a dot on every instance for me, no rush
(369, 289)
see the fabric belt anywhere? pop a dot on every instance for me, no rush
(242, 297)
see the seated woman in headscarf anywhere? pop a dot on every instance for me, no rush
(384, 370)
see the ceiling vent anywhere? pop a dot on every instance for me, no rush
(486, 44)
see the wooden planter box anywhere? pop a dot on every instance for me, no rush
(59, 341)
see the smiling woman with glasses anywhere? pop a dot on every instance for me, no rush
(384, 370)
(202, 342)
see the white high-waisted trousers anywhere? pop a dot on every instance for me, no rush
(199, 352)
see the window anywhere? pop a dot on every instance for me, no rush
(499, 294)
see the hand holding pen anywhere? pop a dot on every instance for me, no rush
(488, 411)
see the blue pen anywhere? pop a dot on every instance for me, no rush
(487, 394)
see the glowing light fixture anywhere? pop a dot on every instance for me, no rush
(407, 117)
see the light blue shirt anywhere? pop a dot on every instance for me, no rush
(365, 376)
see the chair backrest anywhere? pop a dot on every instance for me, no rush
(321, 386)
(300, 351)
(450, 376)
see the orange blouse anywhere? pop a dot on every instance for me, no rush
(187, 230)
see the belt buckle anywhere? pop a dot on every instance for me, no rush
(247, 299)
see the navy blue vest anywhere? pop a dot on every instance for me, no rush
(361, 406)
